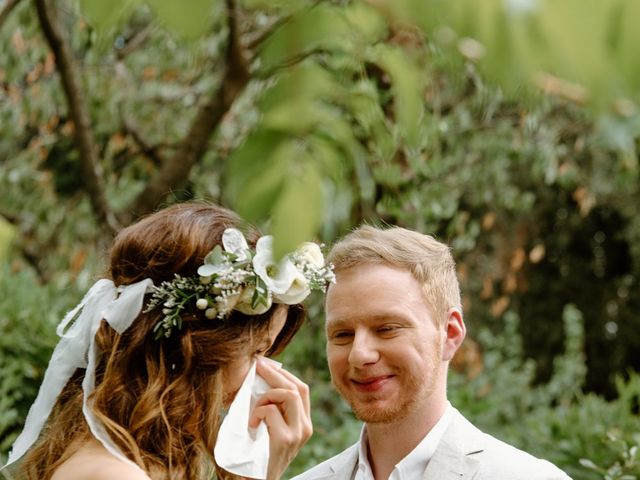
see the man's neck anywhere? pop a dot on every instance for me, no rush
(389, 443)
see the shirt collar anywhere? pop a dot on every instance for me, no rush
(414, 464)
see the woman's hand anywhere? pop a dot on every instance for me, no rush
(286, 410)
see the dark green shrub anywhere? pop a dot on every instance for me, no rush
(586, 435)
(29, 314)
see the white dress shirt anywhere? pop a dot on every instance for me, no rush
(412, 466)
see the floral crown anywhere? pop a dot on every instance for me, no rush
(238, 278)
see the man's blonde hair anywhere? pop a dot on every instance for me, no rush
(429, 261)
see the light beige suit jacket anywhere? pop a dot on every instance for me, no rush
(464, 453)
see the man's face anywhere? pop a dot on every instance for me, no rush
(383, 347)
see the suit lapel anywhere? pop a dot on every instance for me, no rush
(455, 457)
(343, 465)
(449, 464)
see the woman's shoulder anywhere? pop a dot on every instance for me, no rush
(93, 462)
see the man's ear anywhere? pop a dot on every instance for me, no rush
(455, 331)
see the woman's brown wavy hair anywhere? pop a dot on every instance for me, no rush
(160, 400)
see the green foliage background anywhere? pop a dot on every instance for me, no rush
(311, 117)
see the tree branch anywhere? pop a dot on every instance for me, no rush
(148, 150)
(79, 112)
(290, 62)
(255, 40)
(138, 39)
(4, 13)
(174, 172)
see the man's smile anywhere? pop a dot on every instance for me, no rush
(371, 384)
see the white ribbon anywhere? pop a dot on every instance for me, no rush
(77, 349)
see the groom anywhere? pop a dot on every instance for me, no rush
(393, 323)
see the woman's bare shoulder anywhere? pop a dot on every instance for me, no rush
(93, 462)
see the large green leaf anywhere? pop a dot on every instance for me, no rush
(103, 15)
(585, 44)
(301, 115)
(320, 28)
(367, 21)
(254, 173)
(408, 88)
(307, 100)
(286, 5)
(297, 214)
(189, 19)
(307, 80)
(624, 38)
(365, 106)
(7, 234)
(330, 160)
(296, 103)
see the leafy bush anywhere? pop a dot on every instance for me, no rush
(29, 314)
(584, 434)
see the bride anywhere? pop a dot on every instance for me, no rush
(154, 353)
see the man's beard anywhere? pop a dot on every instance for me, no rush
(370, 414)
(414, 386)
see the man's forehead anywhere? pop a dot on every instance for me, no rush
(356, 317)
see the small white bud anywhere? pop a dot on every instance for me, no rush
(205, 280)
(202, 303)
(210, 313)
(166, 311)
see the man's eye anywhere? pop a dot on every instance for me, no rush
(387, 328)
(341, 335)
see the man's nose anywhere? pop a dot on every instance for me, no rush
(364, 350)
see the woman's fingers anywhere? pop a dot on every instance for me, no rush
(287, 401)
(288, 394)
(302, 387)
(272, 416)
(274, 374)
(278, 377)
(285, 410)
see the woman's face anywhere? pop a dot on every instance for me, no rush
(234, 372)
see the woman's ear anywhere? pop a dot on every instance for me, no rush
(276, 324)
(455, 331)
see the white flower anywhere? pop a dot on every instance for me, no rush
(277, 277)
(228, 303)
(202, 303)
(244, 304)
(311, 252)
(247, 294)
(298, 291)
(205, 271)
(211, 313)
(234, 242)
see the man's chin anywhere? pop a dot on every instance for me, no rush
(379, 414)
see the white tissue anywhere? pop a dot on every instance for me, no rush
(240, 449)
